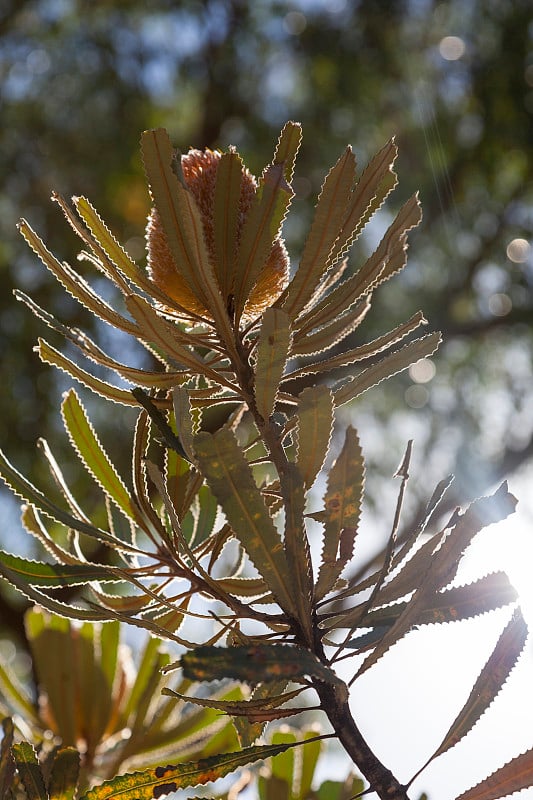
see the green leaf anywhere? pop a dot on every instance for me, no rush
(287, 148)
(377, 174)
(184, 420)
(308, 344)
(488, 684)
(254, 664)
(24, 489)
(230, 478)
(329, 214)
(155, 783)
(259, 232)
(273, 349)
(75, 285)
(514, 776)
(54, 576)
(315, 425)
(49, 355)
(93, 455)
(65, 773)
(368, 350)
(29, 770)
(390, 365)
(226, 218)
(342, 511)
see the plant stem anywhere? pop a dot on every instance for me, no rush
(334, 702)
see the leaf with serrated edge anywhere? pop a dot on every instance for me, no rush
(363, 351)
(331, 334)
(226, 218)
(444, 564)
(377, 171)
(38, 573)
(49, 355)
(24, 489)
(184, 422)
(260, 229)
(342, 506)
(260, 710)
(390, 365)
(230, 478)
(75, 285)
(155, 783)
(517, 774)
(86, 443)
(329, 214)
(488, 684)
(64, 776)
(255, 663)
(287, 147)
(315, 425)
(29, 770)
(273, 349)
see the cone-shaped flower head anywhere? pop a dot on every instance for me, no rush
(200, 168)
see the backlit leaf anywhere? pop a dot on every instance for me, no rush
(273, 349)
(230, 478)
(29, 770)
(514, 776)
(93, 455)
(261, 710)
(388, 366)
(342, 507)
(64, 775)
(329, 214)
(226, 217)
(155, 783)
(260, 229)
(315, 425)
(311, 343)
(37, 573)
(287, 148)
(489, 683)
(254, 664)
(7, 765)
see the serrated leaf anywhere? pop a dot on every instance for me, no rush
(29, 770)
(24, 489)
(451, 605)
(49, 355)
(273, 349)
(254, 664)
(226, 218)
(378, 171)
(390, 365)
(287, 148)
(329, 214)
(368, 350)
(261, 228)
(74, 283)
(315, 425)
(444, 564)
(488, 684)
(342, 508)
(155, 783)
(230, 478)
(92, 454)
(517, 774)
(64, 776)
(309, 344)
(38, 573)
(256, 711)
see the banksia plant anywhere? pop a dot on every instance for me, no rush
(223, 517)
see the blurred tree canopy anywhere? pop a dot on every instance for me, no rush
(453, 80)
